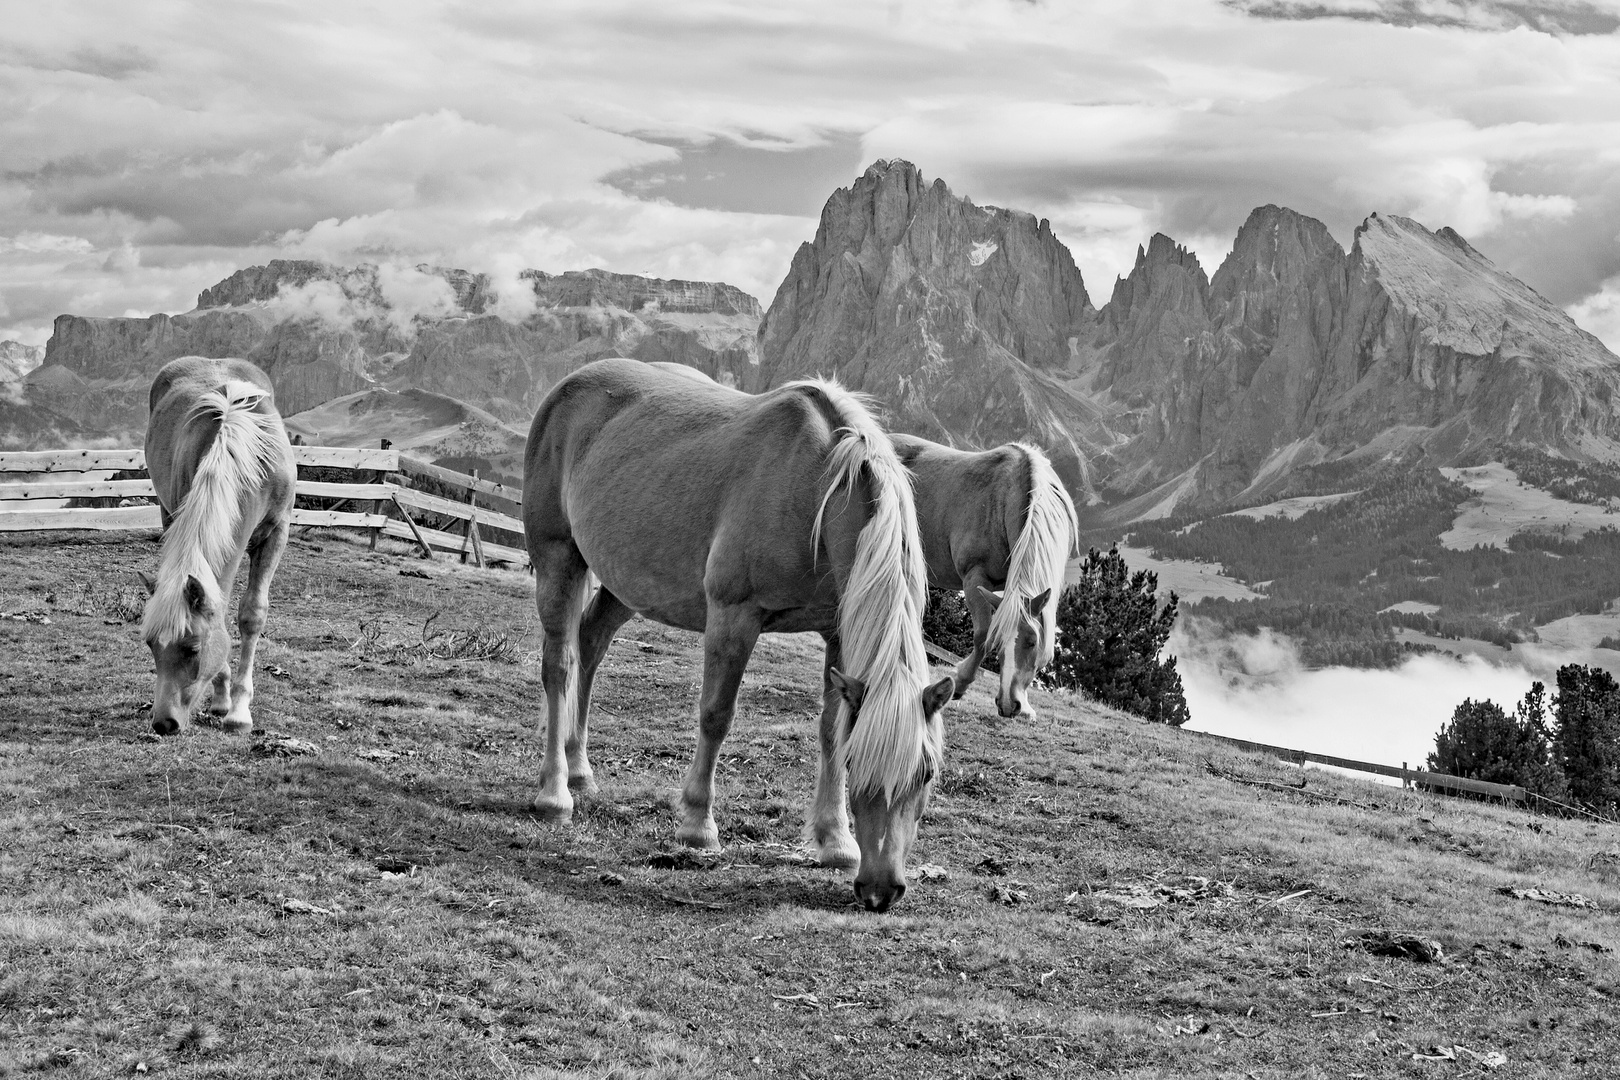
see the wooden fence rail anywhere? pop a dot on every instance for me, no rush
(388, 486)
(1418, 777)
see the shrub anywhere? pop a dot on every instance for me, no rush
(1110, 631)
(1484, 743)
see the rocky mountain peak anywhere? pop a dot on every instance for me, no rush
(17, 360)
(629, 292)
(1462, 301)
(958, 316)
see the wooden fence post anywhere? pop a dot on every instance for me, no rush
(376, 504)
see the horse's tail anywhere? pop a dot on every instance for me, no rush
(880, 610)
(1040, 554)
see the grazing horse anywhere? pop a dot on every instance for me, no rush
(224, 476)
(708, 509)
(996, 519)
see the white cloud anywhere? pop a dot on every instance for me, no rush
(150, 149)
(1599, 314)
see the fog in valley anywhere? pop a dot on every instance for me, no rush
(1254, 687)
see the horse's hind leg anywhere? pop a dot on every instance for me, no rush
(828, 826)
(263, 558)
(560, 581)
(602, 620)
(728, 641)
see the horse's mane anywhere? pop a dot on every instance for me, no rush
(202, 533)
(880, 610)
(1039, 558)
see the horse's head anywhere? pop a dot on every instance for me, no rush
(886, 817)
(1025, 646)
(191, 646)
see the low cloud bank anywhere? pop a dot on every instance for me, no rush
(1254, 687)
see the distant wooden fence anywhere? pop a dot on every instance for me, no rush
(1416, 777)
(388, 490)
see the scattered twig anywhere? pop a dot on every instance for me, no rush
(1292, 789)
(690, 901)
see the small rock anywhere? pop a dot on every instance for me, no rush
(1547, 896)
(275, 744)
(1007, 894)
(376, 754)
(395, 866)
(411, 571)
(609, 878)
(932, 872)
(991, 866)
(1400, 947)
(293, 906)
(1574, 943)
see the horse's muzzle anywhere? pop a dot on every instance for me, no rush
(879, 898)
(166, 725)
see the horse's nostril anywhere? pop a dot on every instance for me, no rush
(899, 891)
(165, 725)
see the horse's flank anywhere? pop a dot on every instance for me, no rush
(203, 535)
(1040, 555)
(880, 609)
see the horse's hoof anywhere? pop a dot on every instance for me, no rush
(842, 855)
(236, 725)
(703, 837)
(584, 784)
(554, 813)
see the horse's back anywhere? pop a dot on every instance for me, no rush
(970, 505)
(676, 490)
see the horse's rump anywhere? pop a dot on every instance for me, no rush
(220, 465)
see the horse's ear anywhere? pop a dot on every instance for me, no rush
(1036, 604)
(196, 596)
(147, 581)
(936, 696)
(852, 689)
(989, 597)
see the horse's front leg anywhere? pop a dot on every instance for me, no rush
(981, 610)
(728, 641)
(263, 558)
(829, 814)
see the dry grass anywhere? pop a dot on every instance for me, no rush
(207, 912)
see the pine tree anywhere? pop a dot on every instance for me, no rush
(1110, 631)
(1484, 743)
(1587, 739)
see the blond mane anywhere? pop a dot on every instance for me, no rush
(1040, 558)
(880, 611)
(201, 538)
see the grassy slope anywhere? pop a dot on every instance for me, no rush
(142, 882)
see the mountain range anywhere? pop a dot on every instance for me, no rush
(1184, 391)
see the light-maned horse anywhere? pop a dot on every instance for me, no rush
(991, 520)
(708, 509)
(224, 474)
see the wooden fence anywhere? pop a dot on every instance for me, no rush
(389, 489)
(1421, 778)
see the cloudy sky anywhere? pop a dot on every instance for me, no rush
(148, 150)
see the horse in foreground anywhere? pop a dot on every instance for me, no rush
(224, 476)
(708, 509)
(996, 520)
